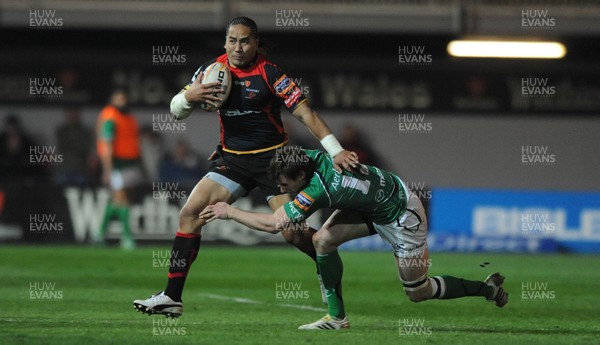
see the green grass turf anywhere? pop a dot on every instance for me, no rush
(98, 285)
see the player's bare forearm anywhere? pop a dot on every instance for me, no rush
(343, 159)
(315, 124)
(257, 221)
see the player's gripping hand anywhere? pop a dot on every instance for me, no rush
(346, 160)
(219, 210)
(199, 92)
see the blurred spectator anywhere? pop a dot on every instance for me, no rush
(19, 178)
(352, 140)
(75, 143)
(183, 166)
(15, 146)
(152, 152)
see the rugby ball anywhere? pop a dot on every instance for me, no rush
(217, 72)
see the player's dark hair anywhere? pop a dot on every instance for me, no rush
(289, 161)
(245, 21)
(263, 45)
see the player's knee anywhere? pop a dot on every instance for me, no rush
(187, 213)
(188, 219)
(321, 240)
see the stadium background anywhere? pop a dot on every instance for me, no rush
(500, 170)
(440, 123)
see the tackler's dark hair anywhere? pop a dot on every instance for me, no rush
(289, 161)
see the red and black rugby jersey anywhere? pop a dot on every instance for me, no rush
(251, 116)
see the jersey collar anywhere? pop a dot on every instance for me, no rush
(251, 65)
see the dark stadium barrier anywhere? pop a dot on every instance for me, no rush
(463, 220)
(46, 213)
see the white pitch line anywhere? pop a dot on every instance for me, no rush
(235, 299)
(304, 307)
(250, 301)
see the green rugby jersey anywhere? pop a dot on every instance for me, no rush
(368, 190)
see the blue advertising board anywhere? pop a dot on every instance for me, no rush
(516, 221)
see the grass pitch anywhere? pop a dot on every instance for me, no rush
(82, 295)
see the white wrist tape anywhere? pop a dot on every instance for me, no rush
(180, 107)
(331, 145)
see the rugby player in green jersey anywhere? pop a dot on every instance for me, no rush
(367, 200)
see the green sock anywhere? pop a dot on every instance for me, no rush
(458, 287)
(331, 268)
(108, 213)
(123, 212)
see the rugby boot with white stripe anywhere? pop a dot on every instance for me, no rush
(500, 297)
(159, 304)
(327, 322)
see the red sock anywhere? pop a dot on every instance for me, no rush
(185, 250)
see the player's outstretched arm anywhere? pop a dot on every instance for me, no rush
(272, 223)
(342, 159)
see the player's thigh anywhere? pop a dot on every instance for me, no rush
(342, 226)
(414, 265)
(206, 192)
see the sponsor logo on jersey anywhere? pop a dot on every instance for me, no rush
(294, 214)
(283, 85)
(236, 112)
(251, 93)
(380, 195)
(245, 83)
(303, 201)
(293, 98)
(336, 181)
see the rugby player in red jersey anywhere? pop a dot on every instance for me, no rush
(251, 132)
